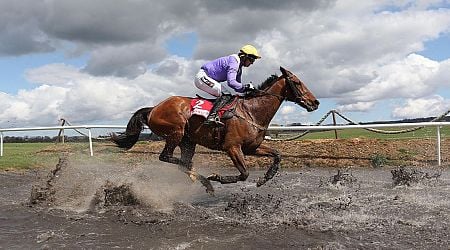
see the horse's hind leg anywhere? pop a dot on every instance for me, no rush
(185, 163)
(187, 148)
(167, 153)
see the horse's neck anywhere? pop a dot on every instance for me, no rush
(263, 108)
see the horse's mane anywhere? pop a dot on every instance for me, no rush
(268, 82)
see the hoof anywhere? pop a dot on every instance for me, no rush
(193, 176)
(260, 182)
(204, 181)
(207, 184)
(214, 177)
(210, 191)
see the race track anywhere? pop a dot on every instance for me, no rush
(155, 206)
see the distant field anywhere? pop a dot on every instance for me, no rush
(34, 155)
(24, 155)
(427, 132)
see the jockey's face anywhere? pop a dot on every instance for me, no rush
(248, 61)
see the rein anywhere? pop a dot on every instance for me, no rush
(263, 93)
(251, 122)
(291, 84)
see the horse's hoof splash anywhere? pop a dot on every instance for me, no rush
(193, 176)
(205, 182)
(214, 177)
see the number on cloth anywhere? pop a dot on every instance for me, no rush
(198, 104)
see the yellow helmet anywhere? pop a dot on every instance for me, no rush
(250, 50)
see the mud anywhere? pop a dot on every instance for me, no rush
(84, 204)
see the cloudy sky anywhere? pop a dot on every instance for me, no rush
(97, 61)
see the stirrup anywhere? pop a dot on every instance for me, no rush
(214, 121)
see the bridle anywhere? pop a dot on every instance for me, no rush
(281, 98)
(297, 93)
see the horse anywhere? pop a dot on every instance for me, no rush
(241, 135)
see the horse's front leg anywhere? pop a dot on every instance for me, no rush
(273, 169)
(236, 155)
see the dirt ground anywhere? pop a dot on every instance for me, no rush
(329, 153)
(327, 195)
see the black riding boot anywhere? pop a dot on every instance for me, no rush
(213, 117)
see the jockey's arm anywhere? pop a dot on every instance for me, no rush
(234, 80)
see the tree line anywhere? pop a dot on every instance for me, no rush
(24, 139)
(79, 138)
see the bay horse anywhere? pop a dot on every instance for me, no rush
(242, 134)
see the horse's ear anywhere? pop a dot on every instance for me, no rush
(283, 71)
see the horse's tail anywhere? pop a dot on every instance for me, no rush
(134, 128)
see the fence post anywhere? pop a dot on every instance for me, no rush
(61, 131)
(90, 141)
(438, 145)
(1, 143)
(334, 124)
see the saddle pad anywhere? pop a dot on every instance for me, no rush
(201, 107)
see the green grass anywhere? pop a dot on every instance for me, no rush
(427, 132)
(23, 155)
(34, 155)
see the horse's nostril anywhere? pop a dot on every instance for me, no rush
(317, 102)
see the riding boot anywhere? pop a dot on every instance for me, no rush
(213, 117)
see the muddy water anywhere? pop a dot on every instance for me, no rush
(308, 208)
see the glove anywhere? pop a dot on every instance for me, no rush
(249, 87)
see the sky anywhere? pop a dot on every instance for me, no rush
(98, 61)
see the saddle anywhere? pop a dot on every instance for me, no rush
(202, 106)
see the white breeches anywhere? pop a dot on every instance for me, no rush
(207, 84)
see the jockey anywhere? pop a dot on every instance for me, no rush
(229, 69)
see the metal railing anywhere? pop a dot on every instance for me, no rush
(438, 125)
(62, 128)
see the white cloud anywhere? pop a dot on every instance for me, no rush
(286, 110)
(359, 106)
(290, 113)
(407, 78)
(442, 76)
(57, 74)
(422, 107)
(38, 106)
(80, 97)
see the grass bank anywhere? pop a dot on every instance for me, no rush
(23, 156)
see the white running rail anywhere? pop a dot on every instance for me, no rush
(87, 127)
(438, 125)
